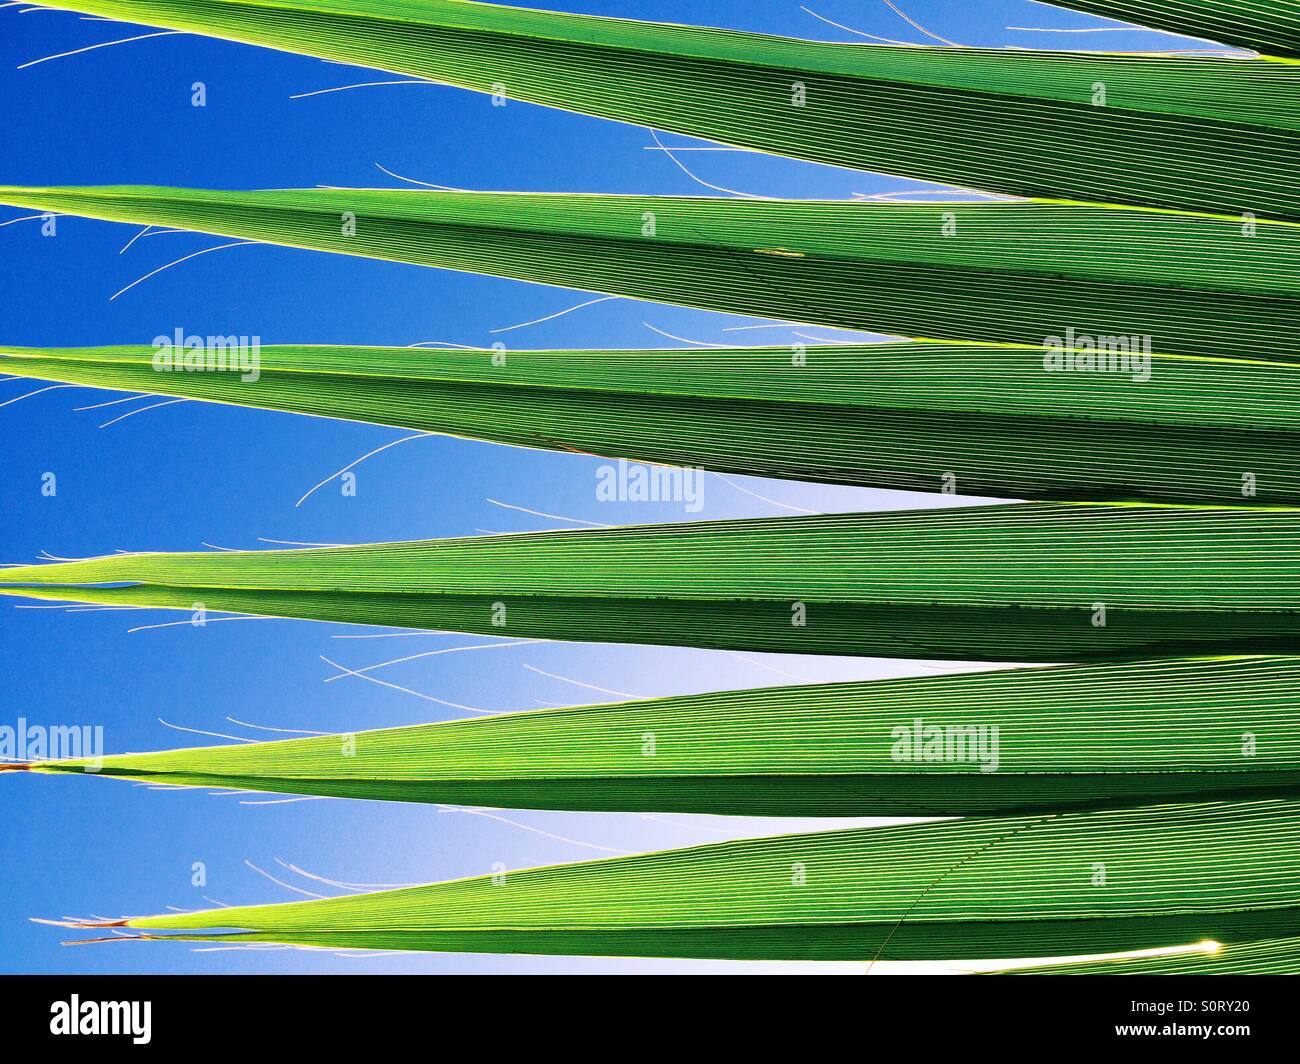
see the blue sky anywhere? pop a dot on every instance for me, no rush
(188, 474)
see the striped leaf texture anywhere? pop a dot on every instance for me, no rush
(983, 420)
(1163, 131)
(1268, 26)
(1017, 273)
(1147, 798)
(1046, 886)
(1015, 741)
(996, 583)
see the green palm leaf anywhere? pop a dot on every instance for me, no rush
(997, 272)
(1017, 741)
(1199, 134)
(1009, 887)
(995, 583)
(1269, 27)
(987, 421)
(1146, 177)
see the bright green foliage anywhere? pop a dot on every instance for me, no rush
(993, 583)
(1022, 740)
(986, 421)
(1268, 26)
(997, 272)
(1063, 885)
(1160, 131)
(1163, 209)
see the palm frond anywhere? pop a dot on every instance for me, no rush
(982, 420)
(1062, 885)
(1015, 741)
(1271, 28)
(994, 583)
(1020, 273)
(1159, 131)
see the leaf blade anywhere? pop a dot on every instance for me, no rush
(1016, 122)
(999, 743)
(1018, 273)
(1022, 583)
(954, 890)
(1268, 28)
(987, 421)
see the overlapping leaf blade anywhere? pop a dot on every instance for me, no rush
(996, 583)
(1199, 134)
(1008, 887)
(988, 421)
(1016, 741)
(1007, 583)
(1268, 26)
(997, 272)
